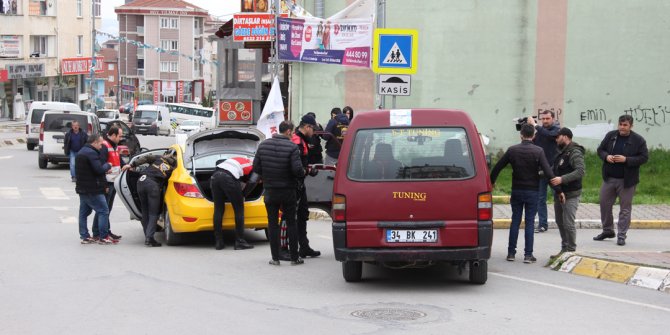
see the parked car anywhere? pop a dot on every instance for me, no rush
(53, 127)
(37, 109)
(105, 115)
(190, 127)
(128, 139)
(188, 197)
(412, 189)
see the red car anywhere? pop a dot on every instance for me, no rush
(412, 189)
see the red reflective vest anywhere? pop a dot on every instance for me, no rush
(113, 159)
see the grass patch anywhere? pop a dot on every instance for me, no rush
(654, 186)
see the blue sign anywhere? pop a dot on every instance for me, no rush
(395, 51)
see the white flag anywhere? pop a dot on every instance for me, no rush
(273, 112)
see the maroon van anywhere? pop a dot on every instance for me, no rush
(412, 189)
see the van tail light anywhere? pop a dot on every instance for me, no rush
(339, 207)
(187, 190)
(41, 131)
(484, 207)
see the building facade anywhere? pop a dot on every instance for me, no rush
(36, 36)
(170, 70)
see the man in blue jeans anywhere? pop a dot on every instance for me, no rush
(545, 138)
(75, 139)
(91, 187)
(526, 159)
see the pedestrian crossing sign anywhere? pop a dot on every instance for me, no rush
(395, 51)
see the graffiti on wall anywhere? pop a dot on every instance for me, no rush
(593, 115)
(653, 117)
(558, 112)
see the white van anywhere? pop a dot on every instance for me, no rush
(152, 120)
(53, 127)
(37, 109)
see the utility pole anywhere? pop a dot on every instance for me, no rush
(93, 61)
(381, 23)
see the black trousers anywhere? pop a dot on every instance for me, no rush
(226, 188)
(284, 198)
(303, 216)
(149, 192)
(111, 194)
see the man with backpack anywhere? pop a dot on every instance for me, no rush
(336, 128)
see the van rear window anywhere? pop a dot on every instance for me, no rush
(37, 115)
(411, 153)
(63, 122)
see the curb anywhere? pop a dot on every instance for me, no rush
(12, 142)
(591, 224)
(630, 274)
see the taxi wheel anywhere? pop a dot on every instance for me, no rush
(479, 272)
(171, 238)
(352, 271)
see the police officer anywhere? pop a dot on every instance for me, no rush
(149, 189)
(226, 186)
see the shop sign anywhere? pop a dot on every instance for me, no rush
(180, 91)
(169, 88)
(10, 46)
(81, 65)
(3, 76)
(157, 90)
(128, 88)
(235, 111)
(19, 71)
(253, 27)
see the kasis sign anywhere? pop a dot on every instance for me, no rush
(70, 66)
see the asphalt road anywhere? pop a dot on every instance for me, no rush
(50, 284)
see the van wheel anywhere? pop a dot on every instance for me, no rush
(352, 271)
(479, 272)
(171, 238)
(42, 162)
(30, 146)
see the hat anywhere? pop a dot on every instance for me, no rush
(565, 131)
(308, 119)
(237, 166)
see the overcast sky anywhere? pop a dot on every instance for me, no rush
(215, 7)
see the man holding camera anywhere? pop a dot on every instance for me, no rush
(545, 138)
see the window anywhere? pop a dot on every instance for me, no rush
(12, 7)
(42, 46)
(110, 67)
(169, 23)
(40, 7)
(411, 153)
(80, 45)
(169, 45)
(169, 66)
(96, 8)
(79, 9)
(110, 79)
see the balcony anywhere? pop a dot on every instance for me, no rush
(140, 30)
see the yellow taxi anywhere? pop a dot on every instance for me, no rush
(188, 205)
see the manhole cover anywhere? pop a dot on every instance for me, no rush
(389, 314)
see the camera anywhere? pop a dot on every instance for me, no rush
(520, 121)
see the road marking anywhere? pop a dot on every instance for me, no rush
(325, 237)
(68, 219)
(54, 193)
(10, 193)
(57, 208)
(574, 290)
(6, 157)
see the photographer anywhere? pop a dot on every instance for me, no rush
(545, 138)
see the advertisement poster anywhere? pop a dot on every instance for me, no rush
(237, 111)
(312, 40)
(10, 46)
(81, 65)
(265, 6)
(157, 91)
(180, 91)
(253, 27)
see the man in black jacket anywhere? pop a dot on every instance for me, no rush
(91, 186)
(301, 137)
(75, 139)
(623, 151)
(545, 138)
(526, 159)
(278, 163)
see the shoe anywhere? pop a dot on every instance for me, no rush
(95, 238)
(542, 229)
(284, 255)
(604, 235)
(241, 244)
(219, 244)
(529, 259)
(558, 254)
(151, 242)
(87, 240)
(107, 240)
(309, 252)
(510, 257)
(298, 261)
(74, 179)
(274, 262)
(621, 241)
(114, 236)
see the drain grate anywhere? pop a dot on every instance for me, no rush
(389, 314)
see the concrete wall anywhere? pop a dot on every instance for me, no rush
(590, 61)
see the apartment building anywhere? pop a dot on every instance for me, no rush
(173, 27)
(45, 48)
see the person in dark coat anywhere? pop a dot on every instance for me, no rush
(91, 186)
(545, 138)
(278, 163)
(75, 139)
(314, 147)
(334, 136)
(623, 151)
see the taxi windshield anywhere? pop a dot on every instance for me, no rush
(411, 153)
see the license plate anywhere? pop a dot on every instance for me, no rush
(60, 140)
(411, 236)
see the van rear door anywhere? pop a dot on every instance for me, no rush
(412, 187)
